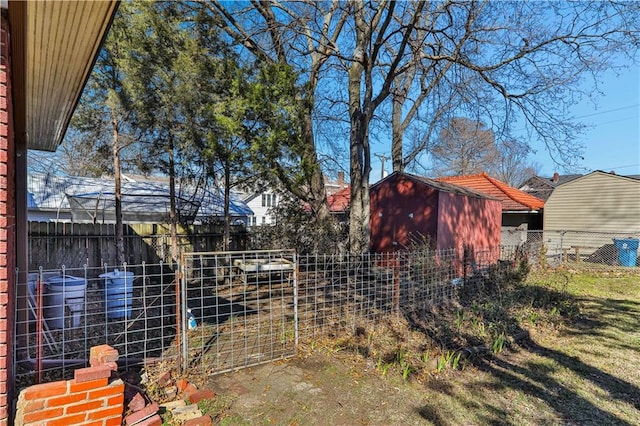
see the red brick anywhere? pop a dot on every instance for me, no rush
(190, 390)
(84, 407)
(137, 403)
(114, 388)
(113, 421)
(105, 413)
(67, 420)
(95, 362)
(115, 400)
(96, 423)
(83, 386)
(154, 420)
(164, 379)
(199, 421)
(66, 399)
(181, 384)
(36, 405)
(112, 365)
(198, 396)
(43, 415)
(45, 390)
(103, 353)
(140, 415)
(92, 373)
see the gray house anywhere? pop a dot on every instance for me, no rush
(587, 211)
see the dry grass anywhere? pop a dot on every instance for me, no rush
(569, 356)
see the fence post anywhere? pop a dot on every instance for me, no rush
(396, 278)
(181, 345)
(295, 298)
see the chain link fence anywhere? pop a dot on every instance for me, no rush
(579, 250)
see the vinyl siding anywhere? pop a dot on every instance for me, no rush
(598, 202)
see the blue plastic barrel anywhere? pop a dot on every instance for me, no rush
(627, 250)
(118, 293)
(62, 292)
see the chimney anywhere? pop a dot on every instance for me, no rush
(341, 179)
(556, 177)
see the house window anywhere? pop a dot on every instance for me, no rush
(253, 220)
(268, 200)
(264, 220)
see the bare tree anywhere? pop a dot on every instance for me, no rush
(509, 64)
(374, 27)
(464, 147)
(499, 63)
(300, 35)
(513, 165)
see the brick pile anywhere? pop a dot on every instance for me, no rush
(178, 393)
(95, 396)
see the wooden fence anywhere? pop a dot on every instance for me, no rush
(74, 245)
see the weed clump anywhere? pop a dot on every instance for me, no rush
(493, 308)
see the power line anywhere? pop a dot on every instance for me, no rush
(607, 111)
(614, 121)
(620, 167)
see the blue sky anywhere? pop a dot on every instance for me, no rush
(613, 140)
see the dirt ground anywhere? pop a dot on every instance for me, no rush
(319, 389)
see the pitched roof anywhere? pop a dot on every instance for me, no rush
(339, 201)
(542, 187)
(141, 199)
(512, 199)
(438, 185)
(632, 178)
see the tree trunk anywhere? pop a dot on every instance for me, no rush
(359, 147)
(118, 194)
(397, 134)
(319, 207)
(226, 239)
(173, 214)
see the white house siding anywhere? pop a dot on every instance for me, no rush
(262, 208)
(600, 204)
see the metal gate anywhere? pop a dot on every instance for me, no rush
(238, 309)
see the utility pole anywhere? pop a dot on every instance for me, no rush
(382, 158)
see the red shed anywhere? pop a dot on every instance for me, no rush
(405, 206)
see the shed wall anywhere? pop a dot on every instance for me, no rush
(402, 212)
(468, 222)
